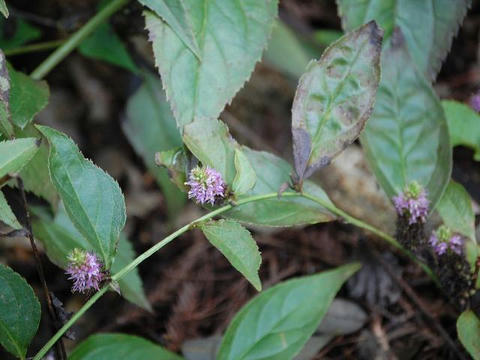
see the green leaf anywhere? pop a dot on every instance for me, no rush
(272, 173)
(429, 26)
(237, 245)
(463, 125)
(175, 14)
(210, 141)
(35, 175)
(278, 322)
(150, 127)
(104, 44)
(3, 8)
(24, 33)
(406, 138)
(27, 97)
(245, 177)
(93, 200)
(15, 154)
(120, 346)
(59, 237)
(6, 127)
(456, 211)
(231, 35)
(468, 328)
(176, 163)
(326, 36)
(131, 286)
(6, 214)
(334, 98)
(19, 312)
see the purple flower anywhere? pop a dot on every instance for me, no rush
(206, 185)
(86, 271)
(475, 102)
(443, 240)
(413, 203)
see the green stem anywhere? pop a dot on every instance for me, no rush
(142, 257)
(58, 55)
(47, 45)
(332, 208)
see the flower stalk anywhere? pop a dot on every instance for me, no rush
(142, 257)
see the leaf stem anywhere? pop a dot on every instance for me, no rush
(47, 45)
(350, 219)
(68, 46)
(142, 257)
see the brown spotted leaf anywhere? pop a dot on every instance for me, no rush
(334, 98)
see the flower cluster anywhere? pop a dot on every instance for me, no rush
(413, 203)
(443, 239)
(206, 185)
(86, 271)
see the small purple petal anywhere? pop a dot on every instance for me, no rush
(441, 248)
(206, 185)
(414, 207)
(456, 244)
(86, 272)
(475, 102)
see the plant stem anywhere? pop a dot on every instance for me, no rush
(142, 257)
(329, 206)
(58, 55)
(60, 347)
(34, 47)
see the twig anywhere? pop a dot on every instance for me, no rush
(419, 304)
(60, 347)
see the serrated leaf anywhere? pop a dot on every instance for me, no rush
(334, 98)
(59, 237)
(406, 138)
(35, 174)
(245, 176)
(277, 323)
(118, 346)
(15, 154)
(463, 125)
(272, 172)
(3, 8)
(210, 141)
(150, 127)
(455, 209)
(175, 14)
(92, 199)
(27, 97)
(6, 127)
(6, 214)
(237, 245)
(104, 44)
(429, 26)
(19, 312)
(231, 35)
(468, 328)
